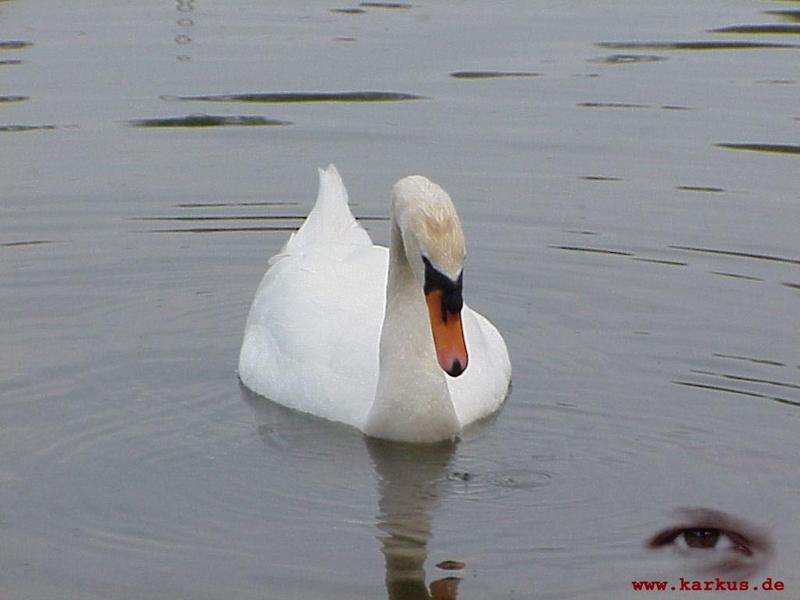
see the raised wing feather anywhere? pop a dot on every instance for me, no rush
(329, 222)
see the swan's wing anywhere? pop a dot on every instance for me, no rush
(481, 389)
(312, 335)
(329, 222)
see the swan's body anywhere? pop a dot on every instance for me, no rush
(321, 337)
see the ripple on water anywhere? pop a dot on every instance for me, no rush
(284, 429)
(629, 105)
(243, 218)
(130, 439)
(226, 204)
(610, 105)
(759, 29)
(387, 5)
(738, 391)
(619, 253)
(450, 565)
(592, 250)
(751, 359)
(727, 377)
(627, 59)
(660, 261)
(232, 220)
(324, 463)
(476, 485)
(23, 128)
(789, 15)
(119, 471)
(700, 188)
(770, 148)
(733, 377)
(599, 178)
(698, 46)
(210, 230)
(736, 276)
(203, 120)
(25, 243)
(349, 11)
(301, 97)
(14, 45)
(739, 254)
(492, 74)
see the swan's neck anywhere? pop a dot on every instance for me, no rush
(412, 402)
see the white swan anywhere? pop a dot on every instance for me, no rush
(371, 337)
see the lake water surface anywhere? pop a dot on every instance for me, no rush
(627, 177)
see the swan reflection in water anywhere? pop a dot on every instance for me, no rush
(409, 478)
(411, 483)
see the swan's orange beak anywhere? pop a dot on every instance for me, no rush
(448, 334)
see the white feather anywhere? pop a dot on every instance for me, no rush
(313, 333)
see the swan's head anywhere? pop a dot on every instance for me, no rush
(434, 247)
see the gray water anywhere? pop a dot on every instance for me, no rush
(628, 182)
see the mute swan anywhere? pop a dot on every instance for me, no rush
(373, 337)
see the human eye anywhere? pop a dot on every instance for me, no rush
(714, 541)
(689, 539)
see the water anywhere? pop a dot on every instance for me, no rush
(627, 180)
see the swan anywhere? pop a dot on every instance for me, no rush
(377, 338)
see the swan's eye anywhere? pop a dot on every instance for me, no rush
(436, 280)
